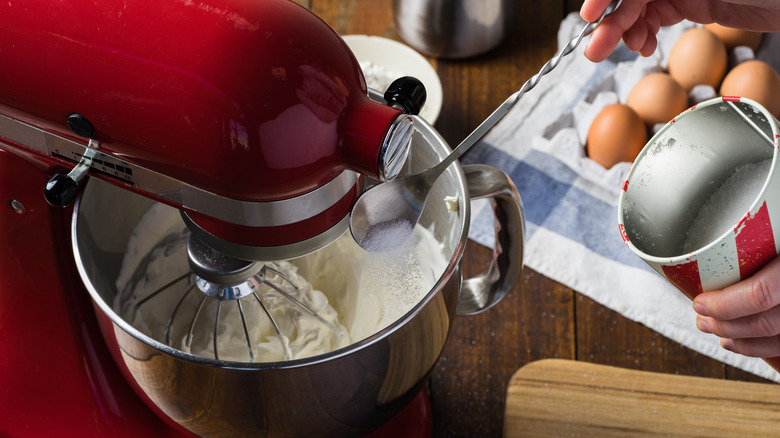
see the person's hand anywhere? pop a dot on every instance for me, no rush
(637, 21)
(746, 315)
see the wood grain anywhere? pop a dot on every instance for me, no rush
(576, 399)
(469, 384)
(605, 337)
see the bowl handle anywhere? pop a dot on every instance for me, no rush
(481, 292)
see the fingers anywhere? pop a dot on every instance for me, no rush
(625, 23)
(760, 325)
(637, 22)
(636, 36)
(754, 295)
(602, 42)
(741, 336)
(651, 43)
(753, 347)
(652, 22)
(755, 336)
(592, 9)
(745, 315)
(639, 38)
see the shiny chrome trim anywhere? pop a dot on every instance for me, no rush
(268, 253)
(395, 147)
(272, 213)
(253, 214)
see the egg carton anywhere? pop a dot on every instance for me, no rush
(573, 110)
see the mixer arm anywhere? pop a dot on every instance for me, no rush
(481, 292)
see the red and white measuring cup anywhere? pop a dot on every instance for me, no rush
(701, 203)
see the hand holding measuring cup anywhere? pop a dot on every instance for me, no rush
(745, 315)
(701, 206)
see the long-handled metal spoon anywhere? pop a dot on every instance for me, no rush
(384, 215)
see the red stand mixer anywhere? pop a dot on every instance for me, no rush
(251, 118)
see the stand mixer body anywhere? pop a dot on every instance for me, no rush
(237, 112)
(264, 148)
(58, 375)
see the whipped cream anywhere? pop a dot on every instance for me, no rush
(355, 292)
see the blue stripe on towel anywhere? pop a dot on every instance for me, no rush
(552, 202)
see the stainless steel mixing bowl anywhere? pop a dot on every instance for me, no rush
(350, 391)
(453, 28)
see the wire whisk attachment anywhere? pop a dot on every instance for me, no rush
(223, 294)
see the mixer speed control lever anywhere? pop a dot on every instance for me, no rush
(61, 190)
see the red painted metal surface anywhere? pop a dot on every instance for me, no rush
(755, 242)
(57, 377)
(685, 276)
(254, 100)
(414, 421)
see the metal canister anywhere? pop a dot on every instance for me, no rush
(673, 181)
(452, 28)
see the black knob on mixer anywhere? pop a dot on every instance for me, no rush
(80, 125)
(407, 94)
(61, 190)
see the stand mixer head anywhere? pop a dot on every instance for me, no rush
(251, 117)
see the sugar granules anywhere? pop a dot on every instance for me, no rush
(727, 204)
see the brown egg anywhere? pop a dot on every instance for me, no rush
(755, 80)
(617, 134)
(698, 57)
(735, 37)
(657, 98)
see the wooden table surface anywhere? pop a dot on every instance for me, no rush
(540, 318)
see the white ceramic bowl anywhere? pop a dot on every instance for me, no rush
(384, 60)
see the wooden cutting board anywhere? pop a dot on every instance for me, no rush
(563, 398)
